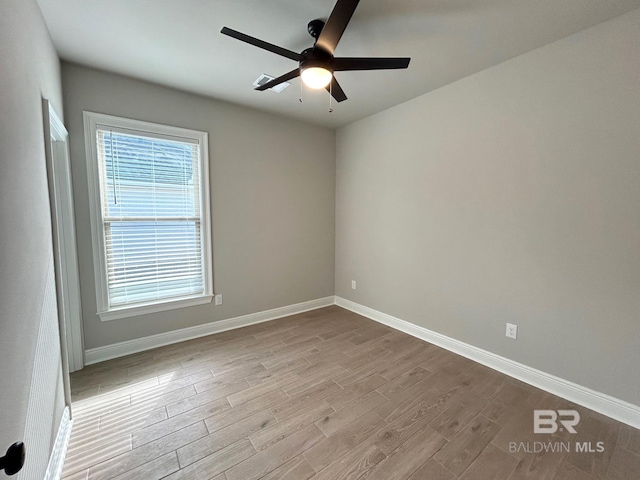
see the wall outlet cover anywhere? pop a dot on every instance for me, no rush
(512, 330)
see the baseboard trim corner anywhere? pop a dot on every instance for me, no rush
(59, 452)
(600, 402)
(108, 352)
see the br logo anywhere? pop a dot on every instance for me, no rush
(546, 421)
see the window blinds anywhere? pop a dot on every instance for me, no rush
(151, 208)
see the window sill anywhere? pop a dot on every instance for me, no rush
(133, 311)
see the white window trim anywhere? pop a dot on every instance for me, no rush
(91, 121)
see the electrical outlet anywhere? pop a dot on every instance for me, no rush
(512, 330)
(218, 299)
(353, 284)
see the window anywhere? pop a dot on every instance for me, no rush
(149, 195)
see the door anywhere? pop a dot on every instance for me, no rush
(64, 239)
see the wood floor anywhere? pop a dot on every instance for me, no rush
(324, 395)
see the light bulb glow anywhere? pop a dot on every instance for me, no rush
(316, 77)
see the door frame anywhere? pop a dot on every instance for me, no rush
(64, 240)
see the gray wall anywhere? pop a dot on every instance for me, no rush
(29, 70)
(272, 201)
(512, 195)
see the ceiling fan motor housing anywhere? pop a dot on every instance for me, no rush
(316, 57)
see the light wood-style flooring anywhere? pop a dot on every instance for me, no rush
(328, 395)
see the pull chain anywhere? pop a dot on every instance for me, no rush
(330, 95)
(300, 99)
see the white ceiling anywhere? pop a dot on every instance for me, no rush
(178, 44)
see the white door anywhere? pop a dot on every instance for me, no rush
(64, 236)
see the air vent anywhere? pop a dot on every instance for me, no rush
(264, 78)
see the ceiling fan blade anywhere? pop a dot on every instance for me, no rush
(277, 81)
(336, 25)
(261, 44)
(336, 90)
(358, 63)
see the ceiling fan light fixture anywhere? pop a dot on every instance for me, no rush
(316, 77)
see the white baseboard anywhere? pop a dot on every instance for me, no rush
(602, 403)
(59, 452)
(100, 354)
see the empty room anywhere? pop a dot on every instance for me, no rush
(329, 239)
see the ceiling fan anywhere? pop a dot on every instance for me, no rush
(317, 64)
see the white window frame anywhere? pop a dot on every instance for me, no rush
(91, 122)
